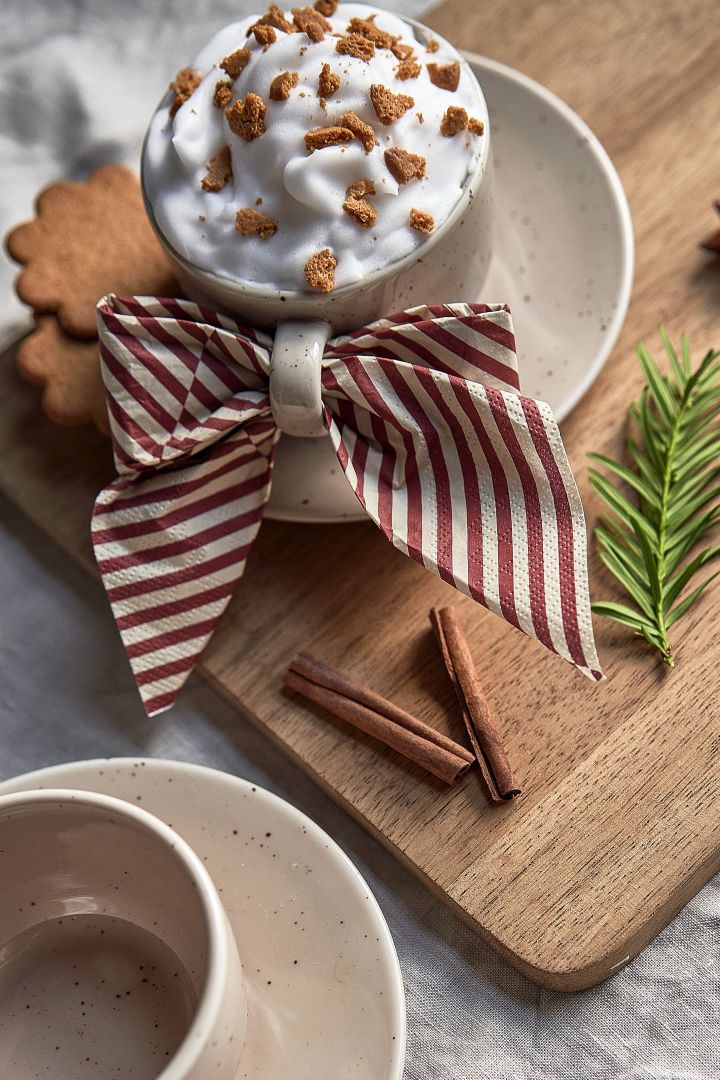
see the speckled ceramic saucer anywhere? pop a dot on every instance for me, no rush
(324, 985)
(563, 261)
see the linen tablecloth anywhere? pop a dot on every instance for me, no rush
(78, 82)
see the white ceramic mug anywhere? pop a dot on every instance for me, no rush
(116, 956)
(450, 265)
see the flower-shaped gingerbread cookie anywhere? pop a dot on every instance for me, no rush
(69, 371)
(88, 239)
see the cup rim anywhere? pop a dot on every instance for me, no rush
(381, 273)
(215, 923)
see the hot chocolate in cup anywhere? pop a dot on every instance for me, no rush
(327, 165)
(116, 956)
(363, 137)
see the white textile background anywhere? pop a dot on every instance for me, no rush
(78, 80)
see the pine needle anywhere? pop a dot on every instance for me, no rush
(665, 500)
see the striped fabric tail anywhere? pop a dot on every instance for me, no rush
(194, 441)
(462, 472)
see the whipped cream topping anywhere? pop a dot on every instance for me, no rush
(293, 200)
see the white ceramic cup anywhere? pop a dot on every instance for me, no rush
(450, 265)
(116, 956)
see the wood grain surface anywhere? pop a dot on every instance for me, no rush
(618, 824)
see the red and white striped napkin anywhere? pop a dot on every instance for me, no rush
(457, 468)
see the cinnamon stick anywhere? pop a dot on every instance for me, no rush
(367, 711)
(477, 713)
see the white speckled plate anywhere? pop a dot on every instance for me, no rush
(563, 261)
(324, 984)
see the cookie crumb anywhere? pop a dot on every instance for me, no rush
(361, 210)
(235, 62)
(201, 217)
(366, 28)
(319, 138)
(356, 45)
(223, 93)
(446, 76)
(432, 46)
(320, 270)
(421, 222)
(247, 118)
(475, 126)
(328, 83)
(389, 107)
(219, 171)
(315, 15)
(360, 189)
(183, 85)
(275, 18)
(309, 21)
(282, 84)
(401, 50)
(251, 222)
(326, 7)
(258, 201)
(264, 35)
(420, 118)
(362, 131)
(407, 69)
(454, 121)
(403, 165)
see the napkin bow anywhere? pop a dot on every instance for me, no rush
(456, 467)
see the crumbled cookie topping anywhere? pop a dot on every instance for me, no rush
(432, 45)
(356, 45)
(401, 50)
(446, 76)
(265, 35)
(223, 93)
(366, 28)
(236, 62)
(275, 18)
(309, 21)
(247, 118)
(219, 171)
(421, 222)
(282, 84)
(315, 15)
(360, 189)
(326, 7)
(362, 131)
(183, 85)
(328, 83)
(319, 138)
(454, 121)
(364, 212)
(251, 222)
(407, 69)
(475, 126)
(320, 270)
(403, 165)
(389, 107)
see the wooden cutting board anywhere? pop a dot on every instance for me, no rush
(619, 825)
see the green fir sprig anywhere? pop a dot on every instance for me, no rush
(666, 500)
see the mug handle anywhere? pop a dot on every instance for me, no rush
(295, 368)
